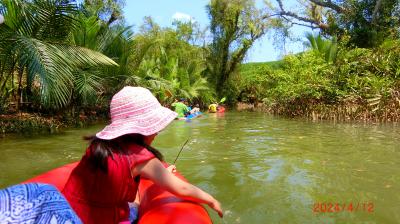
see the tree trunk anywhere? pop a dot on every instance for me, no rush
(19, 91)
(6, 79)
(376, 11)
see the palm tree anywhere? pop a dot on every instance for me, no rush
(95, 34)
(36, 52)
(169, 66)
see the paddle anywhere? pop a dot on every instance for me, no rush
(180, 151)
(222, 100)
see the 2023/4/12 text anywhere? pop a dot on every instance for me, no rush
(332, 207)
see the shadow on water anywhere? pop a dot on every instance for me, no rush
(263, 169)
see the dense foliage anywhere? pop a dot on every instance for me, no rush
(368, 78)
(67, 58)
(367, 23)
(165, 62)
(57, 55)
(39, 63)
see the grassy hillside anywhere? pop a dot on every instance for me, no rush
(254, 65)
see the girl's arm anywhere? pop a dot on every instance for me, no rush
(155, 171)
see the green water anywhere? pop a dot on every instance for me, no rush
(263, 169)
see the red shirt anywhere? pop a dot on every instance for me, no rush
(99, 197)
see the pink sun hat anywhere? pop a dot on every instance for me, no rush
(134, 110)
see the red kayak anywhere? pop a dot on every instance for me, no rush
(156, 205)
(57, 177)
(160, 206)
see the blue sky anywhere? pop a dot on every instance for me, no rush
(164, 12)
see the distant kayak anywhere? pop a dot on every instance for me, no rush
(190, 116)
(220, 109)
(156, 205)
(194, 115)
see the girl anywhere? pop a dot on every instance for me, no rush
(106, 178)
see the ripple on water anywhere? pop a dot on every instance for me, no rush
(263, 169)
(206, 172)
(299, 178)
(267, 172)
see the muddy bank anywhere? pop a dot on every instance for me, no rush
(40, 123)
(345, 111)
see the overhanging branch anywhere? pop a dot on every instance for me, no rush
(328, 4)
(302, 24)
(317, 24)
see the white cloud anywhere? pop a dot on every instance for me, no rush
(182, 17)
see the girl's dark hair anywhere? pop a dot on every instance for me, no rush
(100, 149)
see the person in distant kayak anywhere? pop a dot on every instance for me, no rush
(180, 108)
(212, 108)
(195, 109)
(107, 177)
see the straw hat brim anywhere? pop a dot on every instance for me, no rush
(145, 124)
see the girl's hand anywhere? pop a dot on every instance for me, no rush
(155, 171)
(217, 207)
(171, 168)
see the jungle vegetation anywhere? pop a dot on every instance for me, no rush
(349, 72)
(65, 57)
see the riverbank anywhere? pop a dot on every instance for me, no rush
(39, 123)
(345, 112)
(360, 85)
(371, 112)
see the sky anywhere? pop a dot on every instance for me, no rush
(165, 11)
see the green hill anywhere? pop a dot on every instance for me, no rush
(251, 67)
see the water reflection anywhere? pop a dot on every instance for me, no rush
(263, 169)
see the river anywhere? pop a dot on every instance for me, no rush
(263, 169)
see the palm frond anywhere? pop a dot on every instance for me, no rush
(54, 74)
(43, 19)
(197, 88)
(311, 39)
(88, 86)
(331, 54)
(83, 57)
(325, 47)
(54, 65)
(53, 19)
